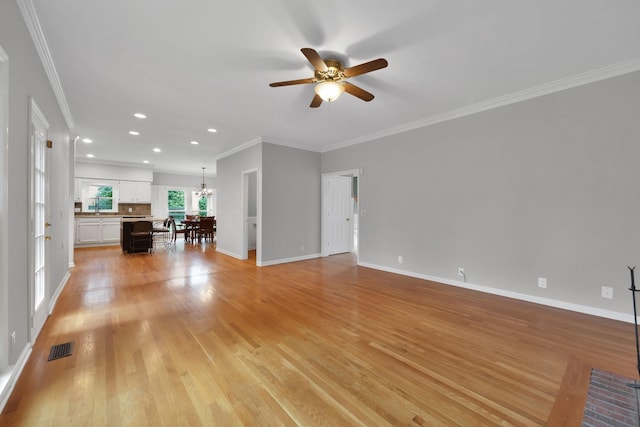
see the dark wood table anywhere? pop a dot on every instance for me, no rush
(191, 227)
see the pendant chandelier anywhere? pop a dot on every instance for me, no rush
(203, 191)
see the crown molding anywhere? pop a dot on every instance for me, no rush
(593, 76)
(114, 163)
(37, 35)
(285, 143)
(182, 173)
(239, 148)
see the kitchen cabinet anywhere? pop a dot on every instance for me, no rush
(135, 192)
(111, 230)
(97, 231)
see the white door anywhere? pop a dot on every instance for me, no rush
(338, 213)
(39, 221)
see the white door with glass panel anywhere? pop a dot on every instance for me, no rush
(39, 221)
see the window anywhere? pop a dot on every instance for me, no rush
(203, 206)
(176, 205)
(98, 198)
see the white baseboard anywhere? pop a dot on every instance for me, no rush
(286, 260)
(9, 377)
(594, 311)
(61, 286)
(233, 254)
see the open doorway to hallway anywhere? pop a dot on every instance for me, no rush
(250, 211)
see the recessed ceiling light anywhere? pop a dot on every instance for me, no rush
(133, 132)
(157, 150)
(87, 140)
(140, 115)
(145, 162)
(212, 130)
(194, 142)
(90, 155)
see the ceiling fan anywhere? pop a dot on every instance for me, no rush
(331, 77)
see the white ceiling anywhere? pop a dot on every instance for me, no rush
(196, 64)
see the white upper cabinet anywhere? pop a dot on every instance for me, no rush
(143, 192)
(135, 192)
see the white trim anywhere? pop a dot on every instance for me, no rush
(72, 264)
(593, 76)
(229, 253)
(239, 148)
(594, 311)
(122, 164)
(35, 110)
(37, 35)
(9, 377)
(61, 285)
(284, 143)
(35, 115)
(287, 260)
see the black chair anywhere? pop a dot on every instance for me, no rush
(175, 229)
(141, 238)
(162, 233)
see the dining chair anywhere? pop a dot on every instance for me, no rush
(207, 228)
(175, 229)
(161, 232)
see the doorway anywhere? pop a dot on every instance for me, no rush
(38, 220)
(251, 215)
(340, 219)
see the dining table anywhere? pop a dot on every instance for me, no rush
(191, 227)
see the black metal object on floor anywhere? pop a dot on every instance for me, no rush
(61, 350)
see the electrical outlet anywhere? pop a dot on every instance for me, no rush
(13, 341)
(461, 272)
(400, 259)
(301, 248)
(607, 292)
(542, 282)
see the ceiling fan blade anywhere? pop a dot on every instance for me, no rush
(316, 101)
(314, 58)
(293, 82)
(357, 91)
(367, 67)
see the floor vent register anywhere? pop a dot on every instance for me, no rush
(61, 350)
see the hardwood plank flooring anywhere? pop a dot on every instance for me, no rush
(193, 337)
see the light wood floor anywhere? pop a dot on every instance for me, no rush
(192, 337)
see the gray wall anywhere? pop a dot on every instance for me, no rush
(547, 187)
(28, 79)
(229, 189)
(290, 202)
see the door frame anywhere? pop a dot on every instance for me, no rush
(245, 215)
(324, 229)
(34, 329)
(5, 350)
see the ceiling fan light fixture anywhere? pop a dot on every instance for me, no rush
(329, 91)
